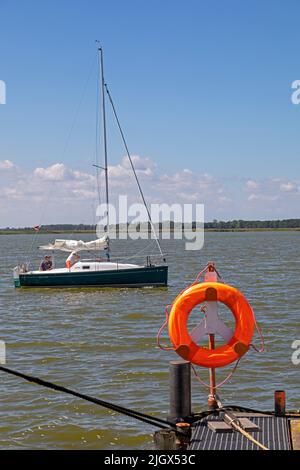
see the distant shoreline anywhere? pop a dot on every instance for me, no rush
(236, 225)
(68, 232)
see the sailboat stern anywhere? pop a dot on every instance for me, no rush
(16, 274)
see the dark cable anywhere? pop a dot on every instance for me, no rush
(217, 411)
(120, 409)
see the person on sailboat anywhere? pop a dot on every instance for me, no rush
(72, 259)
(46, 265)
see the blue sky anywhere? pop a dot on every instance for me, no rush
(199, 85)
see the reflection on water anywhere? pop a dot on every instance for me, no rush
(103, 342)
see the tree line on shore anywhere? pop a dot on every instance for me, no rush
(252, 224)
(214, 225)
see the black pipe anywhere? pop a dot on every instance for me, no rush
(180, 391)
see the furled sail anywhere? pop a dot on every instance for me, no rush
(76, 245)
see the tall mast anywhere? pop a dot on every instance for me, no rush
(104, 143)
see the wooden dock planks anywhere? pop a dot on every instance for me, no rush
(295, 433)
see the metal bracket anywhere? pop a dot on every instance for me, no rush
(211, 324)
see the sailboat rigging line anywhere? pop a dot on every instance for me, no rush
(133, 168)
(79, 106)
(98, 166)
(104, 143)
(161, 423)
(137, 255)
(50, 190)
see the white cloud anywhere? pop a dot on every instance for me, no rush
(142, 165)
(11, 193)
(253, 197)
(54, 172)
(252, 185)
(263, 197)
(84, 193)
(70, 195)
(60, 172)
(7, 165)
(224, 199)
(287, 187)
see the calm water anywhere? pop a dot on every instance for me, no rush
(103, 343)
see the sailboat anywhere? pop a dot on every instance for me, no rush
(99, 271)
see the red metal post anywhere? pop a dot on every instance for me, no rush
(212, 402)
(279, 402)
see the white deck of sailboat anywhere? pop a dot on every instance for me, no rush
(83, 266)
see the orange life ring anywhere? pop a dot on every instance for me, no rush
(222, 355)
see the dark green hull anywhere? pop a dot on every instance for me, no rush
(137, 277)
